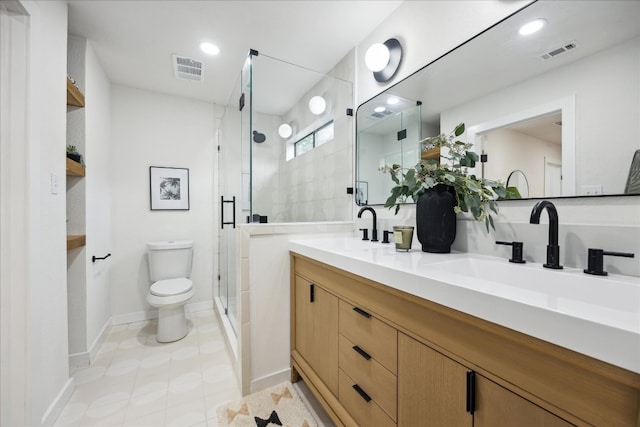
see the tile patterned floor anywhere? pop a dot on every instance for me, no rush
(135, 381)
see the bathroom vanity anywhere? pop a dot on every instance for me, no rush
(385, 338)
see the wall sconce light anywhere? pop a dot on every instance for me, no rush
(317, 105)
(285, 130)
(384, 59)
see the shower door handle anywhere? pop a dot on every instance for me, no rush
(233, 204)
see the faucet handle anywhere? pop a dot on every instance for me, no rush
(516, 251)
(385, 236)
(365, 233)
(595, 260)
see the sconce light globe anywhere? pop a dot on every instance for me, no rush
(317, 105)
(285, 130)
(377, 57)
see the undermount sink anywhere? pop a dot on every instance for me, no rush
(612, 300)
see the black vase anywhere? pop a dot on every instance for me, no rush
(436, 220)
(74, 157)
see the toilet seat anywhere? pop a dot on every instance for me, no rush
(171, 287)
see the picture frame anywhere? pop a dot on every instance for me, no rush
(168, 188)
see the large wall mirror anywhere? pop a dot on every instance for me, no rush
(558, 110)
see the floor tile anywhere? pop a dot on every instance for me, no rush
(136, 381)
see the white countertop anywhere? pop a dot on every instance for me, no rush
(594, 315)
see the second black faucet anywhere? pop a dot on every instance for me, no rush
(553, 250)
(374, 231)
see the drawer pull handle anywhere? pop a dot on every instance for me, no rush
(362, 393)
(361, 352)
(362, 312)
(312, 293)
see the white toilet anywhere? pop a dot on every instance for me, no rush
(169, 269)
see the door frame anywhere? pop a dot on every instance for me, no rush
(567, 106)
(14, 213)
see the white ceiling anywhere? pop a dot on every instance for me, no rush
(135, 40)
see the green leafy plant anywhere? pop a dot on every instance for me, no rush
(474, 195)
(73, 154)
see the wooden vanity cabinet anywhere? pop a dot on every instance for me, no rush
(376, 356)
(434, 390)
(316, 333)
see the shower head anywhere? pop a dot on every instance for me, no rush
(258, 137)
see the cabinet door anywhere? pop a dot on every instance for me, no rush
(432, 389)
(317, 330)
(497, 406)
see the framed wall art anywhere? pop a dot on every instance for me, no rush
(169, 188)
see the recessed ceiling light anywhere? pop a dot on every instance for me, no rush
(532, 26)
(379, 109)
(209, 48)
(393, 101)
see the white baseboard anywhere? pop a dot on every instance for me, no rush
(140, 316)
(55, 409)
(80, 360)
(97, 343)
(270, 380)
(199, 306)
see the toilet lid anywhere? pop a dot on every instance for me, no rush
(169, 287)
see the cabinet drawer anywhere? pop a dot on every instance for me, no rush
(377, 338)
(366, 413)
(380, 383)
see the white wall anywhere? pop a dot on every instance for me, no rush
(98, 197)
(427, 30)
(152, 129)
(47, 364)
(264, 336)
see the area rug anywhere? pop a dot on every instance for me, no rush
(279, 405)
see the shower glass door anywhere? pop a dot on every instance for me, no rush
(234, 154)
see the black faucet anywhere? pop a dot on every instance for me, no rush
(374, 232)
(553, 250)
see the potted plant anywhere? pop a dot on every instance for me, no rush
(72, 153)
(443, 189)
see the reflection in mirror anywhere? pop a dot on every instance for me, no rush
(579, 76)
(388, 135)
(517, 185)
(633, 180)
(531, 147)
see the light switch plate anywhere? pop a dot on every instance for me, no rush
(591, 190)
(54, 184)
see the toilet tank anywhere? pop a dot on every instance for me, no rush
(170, 259)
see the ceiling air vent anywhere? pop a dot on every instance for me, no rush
(562, 49)
(187, 68)
(381, 115)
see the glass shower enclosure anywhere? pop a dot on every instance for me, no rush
(285, 155)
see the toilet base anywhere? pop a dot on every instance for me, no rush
(172, 324)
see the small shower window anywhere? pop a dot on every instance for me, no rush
(314, 139)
